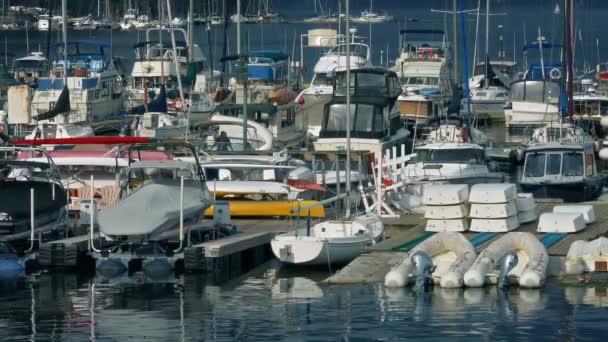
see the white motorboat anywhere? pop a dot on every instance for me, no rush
(52, 130)
(328, 242)
(312, 99)
(369, 16)
(535, 99)
(490, 94)
(29, 68)
(160, 126)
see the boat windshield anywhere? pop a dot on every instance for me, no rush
(358, 50)
(535, 91)
(569, 164)
(417, 81)
(450, 156)
(322, 79)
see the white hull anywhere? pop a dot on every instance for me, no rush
(312, 251)
(531, 114)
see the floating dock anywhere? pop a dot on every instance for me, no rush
(373, 265)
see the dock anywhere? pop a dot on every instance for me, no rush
(373, 265)
(70, 252)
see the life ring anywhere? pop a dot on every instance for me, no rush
(555, 74)
(426, 53)
(178, 104)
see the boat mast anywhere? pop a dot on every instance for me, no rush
(179, 79)
(190, 31)
(487, 81)
(569, 38)
(160, 41)
(64, 28)
(348, 109)
(238, 27)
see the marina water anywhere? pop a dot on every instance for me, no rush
(273, 304)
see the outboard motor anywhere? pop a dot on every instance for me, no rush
(423, 265)
(506, 264)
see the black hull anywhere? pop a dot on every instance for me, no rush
(571, 192)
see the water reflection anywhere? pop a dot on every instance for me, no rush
(275, 304)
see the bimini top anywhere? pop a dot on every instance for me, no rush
(78, 49)
(273, 55)
(555, 146)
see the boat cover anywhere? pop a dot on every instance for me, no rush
(15, 198)
(153, 208)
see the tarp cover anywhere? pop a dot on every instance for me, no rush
(153, 208)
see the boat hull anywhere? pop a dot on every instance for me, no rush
(310, 251)
(570, 192)
(251, 208)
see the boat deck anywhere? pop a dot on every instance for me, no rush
(375, 263)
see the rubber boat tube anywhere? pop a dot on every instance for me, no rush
(531, 269)
(452, 255)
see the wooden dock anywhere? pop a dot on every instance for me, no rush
(378, 259)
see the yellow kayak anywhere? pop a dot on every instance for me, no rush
(269, 208)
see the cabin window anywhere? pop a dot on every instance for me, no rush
(288, 118)
(573, 164)
(105, 89)
(535, 165)
(554, 164)
(589, 163)
(501, 95)
(336, 120)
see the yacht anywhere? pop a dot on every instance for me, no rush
(566, 170)
(424, 70)
(128, 19)
(312, 99)
(152, 59)
(590, 105)
(534, 100)
(94, 90)
(376, 121)
(369, 16)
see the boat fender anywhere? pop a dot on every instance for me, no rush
(555, 74)
(426, 53)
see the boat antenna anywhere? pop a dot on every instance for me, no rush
(348, 109)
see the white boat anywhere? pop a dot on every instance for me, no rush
(424, 71)
(128, 19)
(530, 270)
(451, 254)
(154, 66)
(535, 99)
(29, 68)
(329, 242)
(312, 99)
(369, 16)
(95, 93)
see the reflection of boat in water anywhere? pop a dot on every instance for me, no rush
(296, 288)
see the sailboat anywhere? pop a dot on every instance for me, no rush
(335, 241)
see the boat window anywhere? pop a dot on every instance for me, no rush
(554, 163)
(336, 120)
(481, 94)
(415, 81)
(460, 156)
(433, 81)
(364, 121)
(501, 95)
(322, 79)
(535, 165)
(573, 164)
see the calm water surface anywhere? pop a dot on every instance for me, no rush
(270, 304)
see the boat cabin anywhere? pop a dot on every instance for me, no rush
(558, 163)
(267, 67)
(28, 69)
(450, 153)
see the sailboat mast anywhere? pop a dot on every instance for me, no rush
(569, 38)
(238, 27)
(64, 28)
(487, 81)
(190, 31)
(160, 41)
(348, 109)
